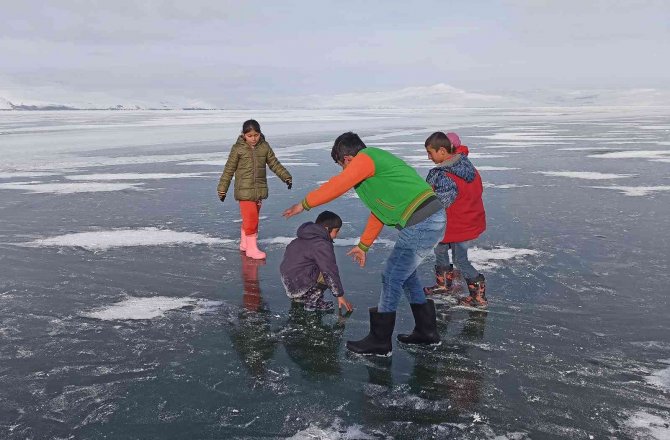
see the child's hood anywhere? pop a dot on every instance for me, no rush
(460, 166)
(312, 231)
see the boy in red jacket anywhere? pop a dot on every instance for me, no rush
(458, 185)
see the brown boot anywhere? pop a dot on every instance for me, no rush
(477, 298)
(443, 279)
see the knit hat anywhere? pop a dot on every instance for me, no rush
(454, 139)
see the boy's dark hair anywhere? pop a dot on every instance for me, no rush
(251, 124)
(346, 144)
(439, 140)
(330, 220)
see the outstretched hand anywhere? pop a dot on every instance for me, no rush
(358, 255)
(342, 302)
(289, 184)
(293, 210)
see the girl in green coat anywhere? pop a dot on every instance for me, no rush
(247, 161)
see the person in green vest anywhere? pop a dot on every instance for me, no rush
(396, 196)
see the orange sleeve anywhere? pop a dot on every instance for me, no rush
(360, 168)
(371, 232)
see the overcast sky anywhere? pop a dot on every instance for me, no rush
(248, 51)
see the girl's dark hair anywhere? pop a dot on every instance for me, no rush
(346, 144)
(329, 219)
(251, 124)
(439, 140)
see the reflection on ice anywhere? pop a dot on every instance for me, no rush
(104, 240)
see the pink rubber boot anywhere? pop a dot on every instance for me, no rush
(243, 240)
(252, 248)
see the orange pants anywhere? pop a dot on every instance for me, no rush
(250, 211)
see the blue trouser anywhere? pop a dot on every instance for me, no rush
(414, 244)
(459, 253)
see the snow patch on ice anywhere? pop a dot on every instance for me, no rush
(69, 188)
(335, 432)
(661, 378)
(134, 176)
(585, 149)
(639, 154)
(588, 175)
(651, 425)
(105, 240)
(489, 168)
(149, 308)
(504, 185)
(636, 191)
(488, 259)
(520, 136)
(24, 174)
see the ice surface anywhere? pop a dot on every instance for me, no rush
(105, 240)
(636, 191)
(70, 188)
(576, 282)
(146, 308)
(587, 175)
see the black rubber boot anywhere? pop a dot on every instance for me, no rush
(425, 325)
(378, 341)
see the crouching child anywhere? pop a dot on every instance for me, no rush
(309, 267)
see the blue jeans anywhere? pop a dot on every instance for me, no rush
(414, 244)
(459, 253)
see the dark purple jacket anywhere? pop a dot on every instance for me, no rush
(307, 256)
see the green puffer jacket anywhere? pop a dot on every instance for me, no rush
(247, 164)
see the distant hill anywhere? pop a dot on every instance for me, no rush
(421, 97)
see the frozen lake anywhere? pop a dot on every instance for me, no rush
(127, 312)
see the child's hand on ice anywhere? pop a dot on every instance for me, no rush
(222, 195)
(358, 255)
(289, 183)
(293, 210)
(341, 302)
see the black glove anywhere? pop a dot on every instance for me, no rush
(222, 196)
(289, 184)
